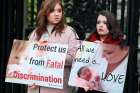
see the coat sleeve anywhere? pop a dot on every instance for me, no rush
(73, 44)
(33, 36)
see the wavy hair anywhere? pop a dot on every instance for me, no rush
(112, 24)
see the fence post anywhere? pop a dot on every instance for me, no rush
(131, 85)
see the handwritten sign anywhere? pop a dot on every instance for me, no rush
(41, 63)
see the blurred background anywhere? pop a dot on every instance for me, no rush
(18, 19)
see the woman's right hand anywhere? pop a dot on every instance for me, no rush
(33, 86)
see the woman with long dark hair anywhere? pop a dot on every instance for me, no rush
(51, 27)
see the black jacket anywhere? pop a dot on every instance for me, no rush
(81, 90)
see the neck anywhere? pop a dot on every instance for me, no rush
(102, 37)
(49, 28)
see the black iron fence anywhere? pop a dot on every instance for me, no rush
(18, 18)
(81, 13)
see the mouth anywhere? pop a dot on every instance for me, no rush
(101, 30)
(57, 18)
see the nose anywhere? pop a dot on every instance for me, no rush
(56, 13)
(101, 24)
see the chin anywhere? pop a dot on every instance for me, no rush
(56, 23)
(103, 34)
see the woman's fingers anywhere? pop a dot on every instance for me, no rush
(33, 86)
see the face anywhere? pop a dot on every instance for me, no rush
(101, 25)
(85, 74)
(112, 53)
(55, 16)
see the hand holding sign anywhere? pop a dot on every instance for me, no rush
(39, 63)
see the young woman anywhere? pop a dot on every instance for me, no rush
(115, 52)
(106, 27)
(52, 28)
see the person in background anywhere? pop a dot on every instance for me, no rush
(107, 30)
(106, 26)
(51, 27)
(114, 50)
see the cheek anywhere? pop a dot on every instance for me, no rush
(49, 18)
(97, 27)
(61, 16)
(106, 29)
(112, 58)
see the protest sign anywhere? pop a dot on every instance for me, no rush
(41, 63)
(100, 67)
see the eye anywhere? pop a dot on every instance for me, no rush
(105, 22)
(98, 22)
(59, 10)
(109, 52)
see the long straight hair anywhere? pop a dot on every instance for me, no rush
(46, 8)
